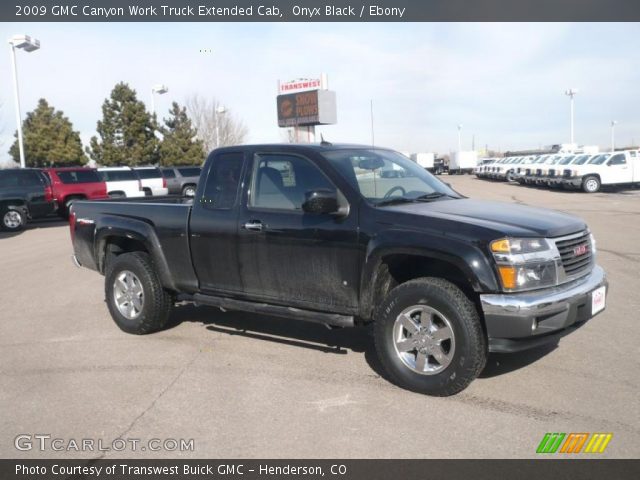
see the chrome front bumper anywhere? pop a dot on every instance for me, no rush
(524, 320)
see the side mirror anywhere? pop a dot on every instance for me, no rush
(320, 201)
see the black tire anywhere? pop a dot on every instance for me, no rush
(157, 302)
(470, 354)
(13, 219)
(189, 191)
(591, 184)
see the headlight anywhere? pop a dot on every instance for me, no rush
(525, 263)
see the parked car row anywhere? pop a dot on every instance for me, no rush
(33, 193)
(586, 172)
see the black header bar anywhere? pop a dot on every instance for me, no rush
(315, 11)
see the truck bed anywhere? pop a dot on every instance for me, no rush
(160, 223)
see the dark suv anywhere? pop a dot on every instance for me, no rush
(182, 180)
(24, 194)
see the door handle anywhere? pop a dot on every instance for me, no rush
(255, 225)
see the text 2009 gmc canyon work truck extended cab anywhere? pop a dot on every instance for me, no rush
(315, 233)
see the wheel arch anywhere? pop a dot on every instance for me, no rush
(389, 267)
(132, 236)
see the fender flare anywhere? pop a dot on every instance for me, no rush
(135, 230)
(466, 257)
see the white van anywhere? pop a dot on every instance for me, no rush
(121, 182)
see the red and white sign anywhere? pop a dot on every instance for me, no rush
(302, 85)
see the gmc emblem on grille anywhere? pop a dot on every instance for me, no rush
(580, 250)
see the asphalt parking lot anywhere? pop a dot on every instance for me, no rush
(242, 385)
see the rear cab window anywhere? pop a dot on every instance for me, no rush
(168, 173)
(223, 180)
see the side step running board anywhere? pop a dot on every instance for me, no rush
(333, 319)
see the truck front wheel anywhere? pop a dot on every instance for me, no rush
(591, 184)
(135, 297)
(429, 338)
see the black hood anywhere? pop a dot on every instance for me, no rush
(506, 218)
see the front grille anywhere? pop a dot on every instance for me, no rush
(552, 172)
(566, 173)
(538, 172)
(528, 171)
(573, 261)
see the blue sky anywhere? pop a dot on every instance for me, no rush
(503, 82)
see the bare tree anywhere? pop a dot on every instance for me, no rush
(214, 129)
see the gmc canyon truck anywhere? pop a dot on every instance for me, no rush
(315, 233)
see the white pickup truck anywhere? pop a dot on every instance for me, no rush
(615, 168)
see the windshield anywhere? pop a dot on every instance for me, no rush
(566, 160)
(600, 159)
(541, 159)
(581, 160)
(385, 176)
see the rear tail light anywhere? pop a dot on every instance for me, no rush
(164, 182)
(48, 193)
(72, 224)
(139, 185)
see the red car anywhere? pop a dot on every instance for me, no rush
(75, 183)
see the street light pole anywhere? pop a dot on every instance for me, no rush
(613, 133)
(29, 45)
(571, 93)
(220, 110)
(160, 90)
(460, 137)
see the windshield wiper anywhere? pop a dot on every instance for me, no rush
(433, 196)
(394, 200)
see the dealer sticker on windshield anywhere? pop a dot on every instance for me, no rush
(598, 297)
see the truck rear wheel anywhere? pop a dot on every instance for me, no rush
(135, 297)
(429, 338)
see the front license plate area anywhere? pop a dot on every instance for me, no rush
(598, 299)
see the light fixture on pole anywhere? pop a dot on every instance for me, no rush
(459, 137)
(28, 44)
(571, 93)
(220, 110)
(613, 133)
(160, 90)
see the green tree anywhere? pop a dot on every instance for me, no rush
(126, 131)
(180, 146)
(49, 139)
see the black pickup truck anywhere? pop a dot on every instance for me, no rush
(315, 233)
